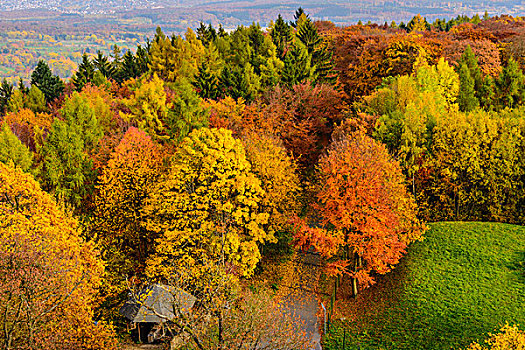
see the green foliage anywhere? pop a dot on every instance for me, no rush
(510, 85)
(132, 66)
(476, 169)
(102, 64)
(282, 36)
(85, 73)
(35, 100)
(6, 90)
(470, 60)
(206, 83)
(65, 169)
(16, 101)
(321, 56)
(79, 115)
(12, 150)
(409, 108)
(297, 65)
(49, 84)
(467, 99)
(461, 282)
(186, 113)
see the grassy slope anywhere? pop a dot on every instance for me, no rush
(463, 281)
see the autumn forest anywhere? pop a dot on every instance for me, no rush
(209, 164)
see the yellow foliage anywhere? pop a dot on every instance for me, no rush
(509, 338)
(148, 106)
(278, 174)
(208, 207)
(53, 275)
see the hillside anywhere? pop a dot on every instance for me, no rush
(463, 281)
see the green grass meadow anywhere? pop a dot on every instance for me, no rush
(464, 280)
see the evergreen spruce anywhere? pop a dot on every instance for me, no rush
(282, 35)
(85, 73)
(509, 86)
(187, 113)
(6, 90)
(102, 64)
(49, 84)
(206, 83)
(467, 99)
(487, 95)
(297, 66)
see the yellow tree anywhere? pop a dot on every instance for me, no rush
(278, 174)
(208, 207)
(48, 274)
(148, 107)
(121, 193)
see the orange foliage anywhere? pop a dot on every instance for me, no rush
(362, 193)
(25, 124)
(325, 242)
(303, 118)
(48, 275)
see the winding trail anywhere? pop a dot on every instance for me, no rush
(299, 293)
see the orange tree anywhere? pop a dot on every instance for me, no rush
(48, 274)
(123, 187)
(362, 197)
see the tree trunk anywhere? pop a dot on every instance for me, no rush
(221, 339)
(358, 264)
(354, 287)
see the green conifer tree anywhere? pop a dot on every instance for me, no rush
(187, 113)
(282, 36)
(487, 95)
(6, 90)
(321, 55)
(470, 60)
(206, 83)
(297, 66)
(66, 170)
(467, 99)
(102, 64)
(85, 73)
(80, 117)
(232, 82)
(509, 85)
(35, 100)
(51, 85)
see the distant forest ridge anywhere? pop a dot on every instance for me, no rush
(231, 13)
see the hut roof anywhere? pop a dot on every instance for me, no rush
(155, 300)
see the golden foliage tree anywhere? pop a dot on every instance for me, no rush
(208, 207)
(278, 174)
(132, 171)
(148, 107)
(48, 275)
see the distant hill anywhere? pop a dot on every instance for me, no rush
(244, 12)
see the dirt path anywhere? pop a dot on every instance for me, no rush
(298, 292)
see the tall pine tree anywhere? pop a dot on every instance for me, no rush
(467, 99)
(49, 84)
